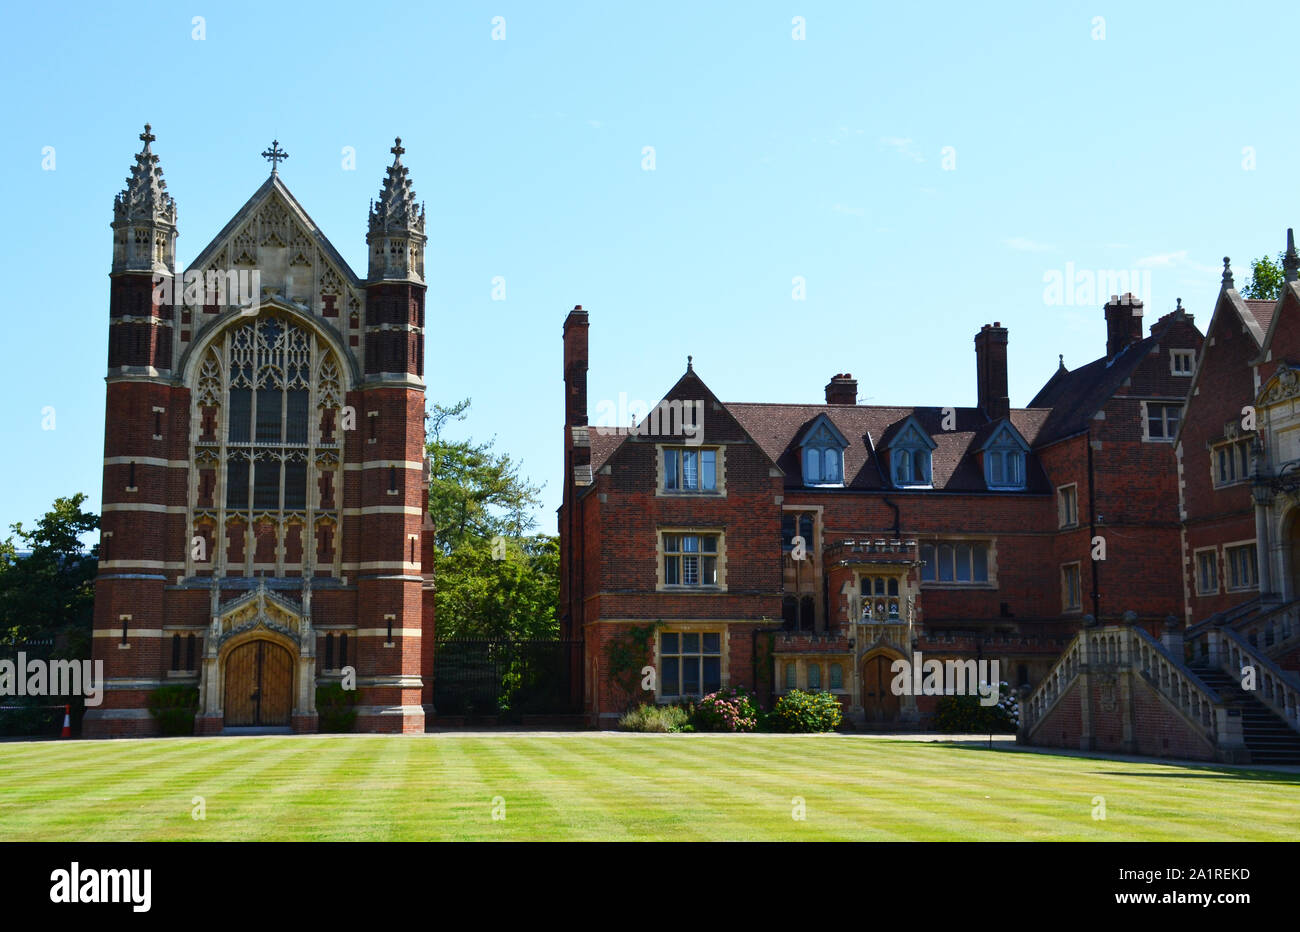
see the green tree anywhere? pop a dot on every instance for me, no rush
(1265, 279)
(50, 591)
(513, 597)
(475, 493)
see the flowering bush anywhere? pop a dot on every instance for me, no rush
(965, 715)
(731, 709)
(805, 712)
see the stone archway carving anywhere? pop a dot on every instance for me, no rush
(259, 614)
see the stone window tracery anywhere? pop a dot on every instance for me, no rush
(267, 398)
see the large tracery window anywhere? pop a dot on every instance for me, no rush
(268, 469)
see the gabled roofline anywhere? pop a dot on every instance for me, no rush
(822, 420)
(692, 374)
(273, 184)
(911, 421)
(1228, 297)
(1289, 289)
(1006, 427)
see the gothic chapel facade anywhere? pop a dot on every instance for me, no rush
(264, 500)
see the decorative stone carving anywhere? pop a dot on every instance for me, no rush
(1285, 384)
(245, 247)
(209, 386)
(260, 608)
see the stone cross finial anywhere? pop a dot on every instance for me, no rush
(275, 155)
(147, 136)
(397, 149)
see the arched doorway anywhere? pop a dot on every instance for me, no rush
(258, 684)
(879, 702)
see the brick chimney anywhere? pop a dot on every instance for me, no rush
(575, 367)
(1123, 323)
(842, 389)
(991, 370)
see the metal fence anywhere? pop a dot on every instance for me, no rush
(29, 716)
(507, 679)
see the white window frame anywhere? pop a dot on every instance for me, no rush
(1066, 605)
(680, 471)
(662, 694)
(1231, 448)
(1064, 520)
(822, 453)
(1230, 566)
(1004, 453)
(912, 452)
(663, 554)
(1164, 420)
(1213, 554)
(1187, 356)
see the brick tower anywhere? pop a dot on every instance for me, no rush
(391, 403)
(141, 489)
(264, 528)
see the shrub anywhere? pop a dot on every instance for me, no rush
(658, 718)
(731, 709)
(335, 708)
(798, 711)
(175, 707)
(965, 715)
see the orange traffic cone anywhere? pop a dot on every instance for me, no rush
(67, 722)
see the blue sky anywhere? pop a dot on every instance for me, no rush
(1160, 148)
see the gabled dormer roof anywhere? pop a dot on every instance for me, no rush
(1002, 433)
(820, 430)
(907, 432)
(780, 428)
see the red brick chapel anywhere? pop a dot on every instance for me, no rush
(264, 501)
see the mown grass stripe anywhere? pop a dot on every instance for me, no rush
(618, 786)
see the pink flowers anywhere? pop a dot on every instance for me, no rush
(727, 710)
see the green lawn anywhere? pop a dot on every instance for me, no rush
(603, 786)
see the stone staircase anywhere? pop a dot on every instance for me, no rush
(1269, 739)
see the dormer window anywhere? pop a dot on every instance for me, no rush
(823, 453)
(1005, 469)
(910, 457)
(823, 466)
(1004, 459)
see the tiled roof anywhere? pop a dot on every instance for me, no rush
(602, 445)
(1262, 311)
(1075, 396)
(954, 467)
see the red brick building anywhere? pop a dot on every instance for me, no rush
(810, 545)
(1221, 683)
(264, 519)
(1239, 483)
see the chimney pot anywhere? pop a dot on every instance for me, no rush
(842, 389)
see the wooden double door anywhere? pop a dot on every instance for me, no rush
(259, 685)
(878, 700)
